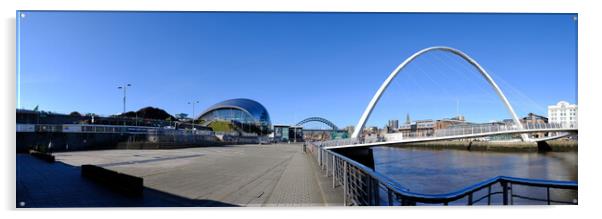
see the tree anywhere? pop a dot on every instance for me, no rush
(131, 114)
(75, 113)
(181, 115)
(149, 113)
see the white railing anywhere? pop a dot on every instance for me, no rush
(95, 128)
(337, 142)
(466, 130)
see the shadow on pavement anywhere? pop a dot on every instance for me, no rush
(59, 185)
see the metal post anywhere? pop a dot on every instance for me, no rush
(548, 192)
(369, 191)
(326, 164)
(489, 195)
(376, 190)
(511, 195)
(320, 157)
(124, 87)
(345, 183)
(193, 112)
(389, 196)
(470, 199)
(124, 96)
(505, 192)
(334, 167)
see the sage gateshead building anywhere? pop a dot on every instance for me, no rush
(244, 115)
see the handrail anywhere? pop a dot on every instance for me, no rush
(102, 128)
(422, 197)
(540, 182)
(445, 198)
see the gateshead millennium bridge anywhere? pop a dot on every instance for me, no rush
(347, 161)
(456, 133)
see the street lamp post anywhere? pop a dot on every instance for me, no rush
(124, 88)
(193, 103)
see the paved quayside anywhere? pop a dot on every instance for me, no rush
(244, 175)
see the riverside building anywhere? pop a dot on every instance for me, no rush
(563, 113)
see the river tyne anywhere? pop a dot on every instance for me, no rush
(438, 171)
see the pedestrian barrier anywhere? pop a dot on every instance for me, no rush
(363, 186)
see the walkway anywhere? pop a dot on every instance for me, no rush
(246, 175)
(297, 186)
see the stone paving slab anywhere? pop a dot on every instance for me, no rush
(297, 186)
(243, 175)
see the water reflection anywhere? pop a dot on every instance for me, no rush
(441, 171)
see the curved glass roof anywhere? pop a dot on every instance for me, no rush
(254, 108)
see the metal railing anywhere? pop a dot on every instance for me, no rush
(469, 130)
(363, 186)
(95, 128)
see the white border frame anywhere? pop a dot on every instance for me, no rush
(588, 88)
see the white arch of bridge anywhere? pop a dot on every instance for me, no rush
(362, 122)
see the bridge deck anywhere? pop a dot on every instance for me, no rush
(453, 137)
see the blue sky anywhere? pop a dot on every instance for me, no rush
(296, 64)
